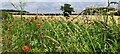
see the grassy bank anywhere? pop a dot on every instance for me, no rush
(58, 34)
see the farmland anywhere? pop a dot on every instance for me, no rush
(91, 17)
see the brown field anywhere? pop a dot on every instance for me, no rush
(80, 17)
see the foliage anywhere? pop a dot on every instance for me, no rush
(98, 10)
(59, 35)
(5, 15)
(67, 9)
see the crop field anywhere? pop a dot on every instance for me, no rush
(90, 17)
(84, 33)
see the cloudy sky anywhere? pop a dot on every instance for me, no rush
(53, 6)
(57, 0)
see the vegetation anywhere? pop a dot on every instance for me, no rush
(67, 10)
(20, 7)
(58, 35)
(50, 34)
(100, 10)
(13, 12)
(5, 15)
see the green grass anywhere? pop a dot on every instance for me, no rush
(60, 36)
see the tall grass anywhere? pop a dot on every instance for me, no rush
(59, 35)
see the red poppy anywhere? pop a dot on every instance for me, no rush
(8, 30)
(48, 16)
(27, 20)
(30, 20)
(38, 25)
(25, 48)
(10, 25)
(36, 18)
(67, 20)
(2, 38)
(52, 16)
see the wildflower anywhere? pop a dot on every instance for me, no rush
(92, 21)
(48, 16)
(8, 29)
(30, 20)
(67, 20)
(27, 35)
(55, 22)
(85, 21)
(38, 25)
(36, 18)
(27, 20)
(25, 48)
(52, 17)
(2, 38)
(10, 25)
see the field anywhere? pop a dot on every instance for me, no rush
(92, 33)
(91, 17)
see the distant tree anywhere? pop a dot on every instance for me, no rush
(67, 10)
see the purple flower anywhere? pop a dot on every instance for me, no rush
(27, 34)
(85, 21)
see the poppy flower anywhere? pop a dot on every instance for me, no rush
(25, 48)
(27, 20)
(55, 22)
(36, 18)
(30, 20)
(52, 17)
(2, 38)
(85, 21)
(38, 25)
(48, 16)
(67, 20)
(10, 25)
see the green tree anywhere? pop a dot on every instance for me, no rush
(67, 9)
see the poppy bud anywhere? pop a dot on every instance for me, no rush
(30, 20)
(35, 18)
(38, 25)
(25, 48)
